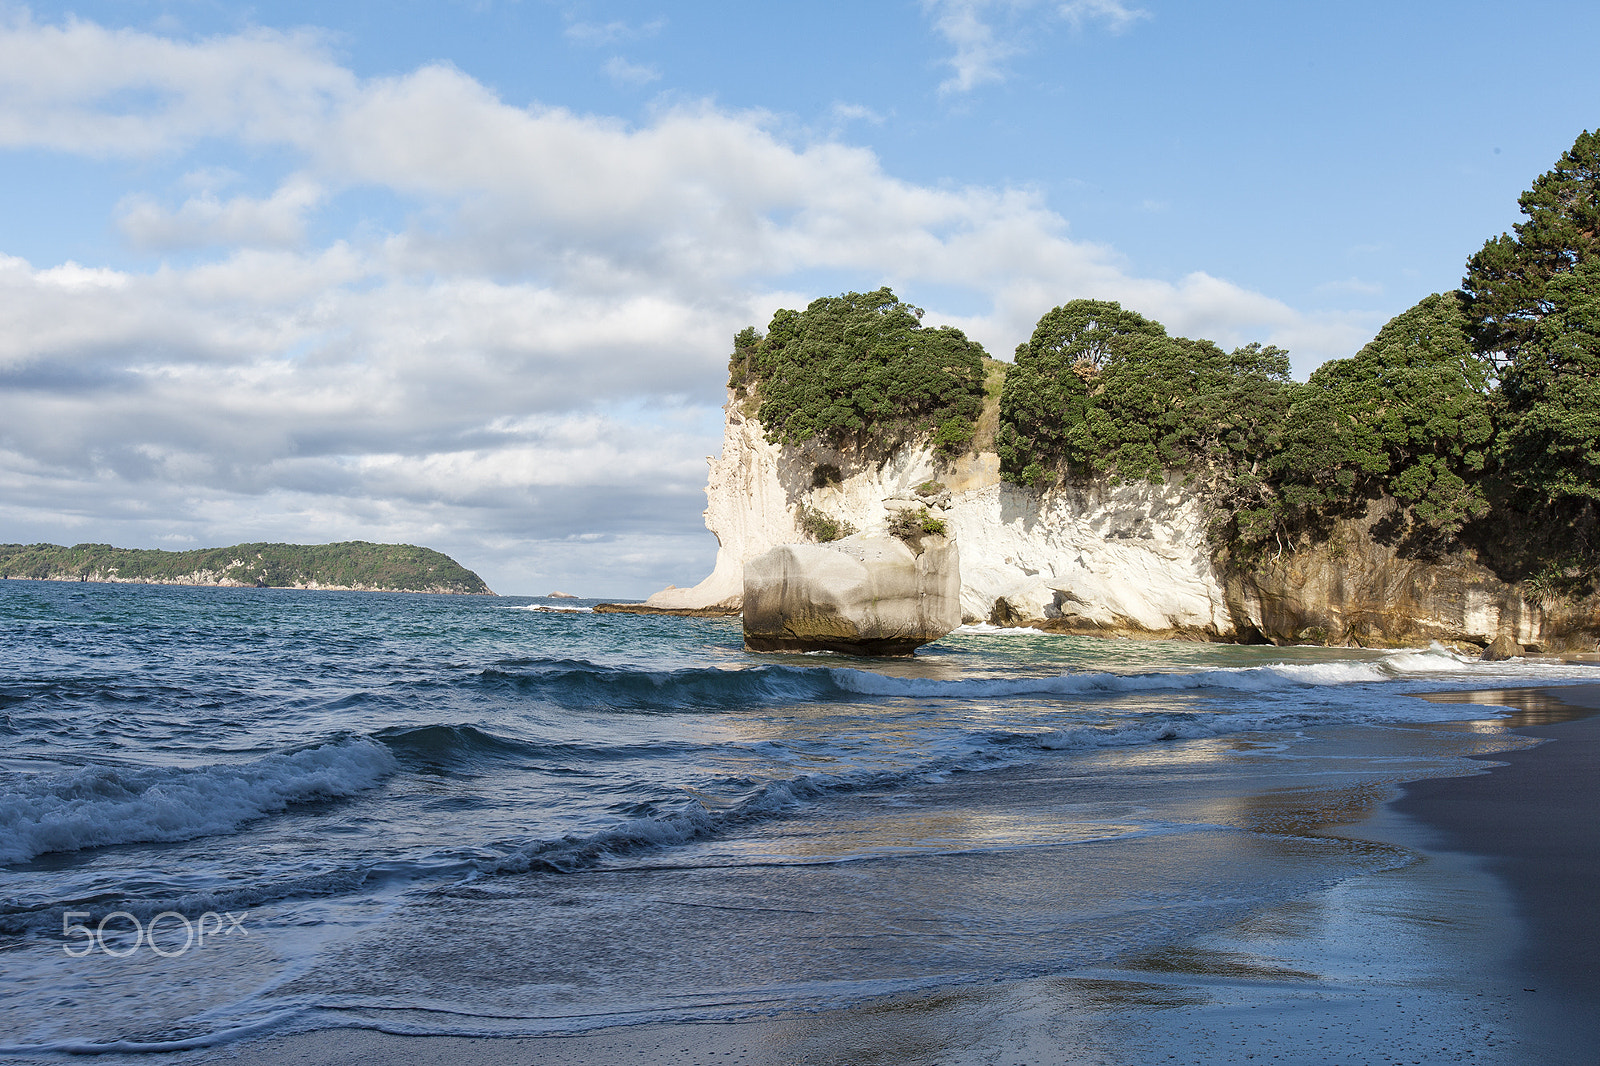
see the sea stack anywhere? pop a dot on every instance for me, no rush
(862, 595)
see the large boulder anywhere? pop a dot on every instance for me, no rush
(869, 594)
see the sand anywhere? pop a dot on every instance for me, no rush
(1484, 951)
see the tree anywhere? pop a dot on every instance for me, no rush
(861, 367)
(1408, 415)
(1507, 281)
(1549, 444)
(1046, 390)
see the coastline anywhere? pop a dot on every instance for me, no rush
(1473, 953)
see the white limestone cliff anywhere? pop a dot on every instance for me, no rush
(1130, 557)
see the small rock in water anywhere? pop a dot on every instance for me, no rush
(559, 596)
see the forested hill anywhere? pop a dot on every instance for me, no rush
(356, 565)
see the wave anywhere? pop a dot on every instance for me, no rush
(103, 805)
(987, 630)
(575, 682)
(462, 745)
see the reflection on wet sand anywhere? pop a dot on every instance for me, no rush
(1528, 706)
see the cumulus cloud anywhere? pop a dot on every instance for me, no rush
(987, 33)
(525, 369)
(83, 88)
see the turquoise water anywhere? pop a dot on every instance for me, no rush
(228, 811)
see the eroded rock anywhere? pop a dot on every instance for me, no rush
(1503, 647)
(863, 595)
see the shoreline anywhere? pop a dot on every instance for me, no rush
(1450, 948)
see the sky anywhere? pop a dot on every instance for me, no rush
(466, 274)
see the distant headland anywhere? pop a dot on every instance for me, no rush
(352, 565)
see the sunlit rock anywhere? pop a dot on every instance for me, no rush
(863, 595)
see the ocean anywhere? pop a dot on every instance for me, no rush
(229, 812)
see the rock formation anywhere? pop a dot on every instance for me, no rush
(862, 595)
(1131, 559)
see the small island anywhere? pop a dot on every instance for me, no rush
(353, 565)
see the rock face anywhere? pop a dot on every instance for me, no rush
(1126, 560)
(1356, 588)
(863, 595)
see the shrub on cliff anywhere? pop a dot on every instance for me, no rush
(861, 368)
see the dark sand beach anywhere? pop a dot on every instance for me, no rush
(1480, 951)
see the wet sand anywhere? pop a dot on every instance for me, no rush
(1481, 952)
(1536, 821)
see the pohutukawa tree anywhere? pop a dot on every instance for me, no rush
(861, 368)
(1508, 281)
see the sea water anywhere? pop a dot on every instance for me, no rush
(227, 812)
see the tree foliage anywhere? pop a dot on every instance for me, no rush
(1508, 280)
(1408, 415)
(861, 367)
(1103, 390)
(1550, 441)
(1046, 396)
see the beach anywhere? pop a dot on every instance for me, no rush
(1483, 951)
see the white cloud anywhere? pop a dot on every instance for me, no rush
(1116, 15)
(623, 72)
(80, 87)
(615, 31)
(843, 112)
(987, 33)
(536, 352)
(203, 220)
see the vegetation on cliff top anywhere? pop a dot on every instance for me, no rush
(351, 564)
(860, 368)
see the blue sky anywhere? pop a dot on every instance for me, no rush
(465, 274)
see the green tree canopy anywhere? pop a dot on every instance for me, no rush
(1550, 435)
(1507, 281)
(861, 367)
(1046, 393)
(1408, 415)
(1170, 403)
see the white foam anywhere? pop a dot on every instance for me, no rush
(987, 630)
(1434, 659)
(1238, 679)
(102, 805)
(547, 609)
